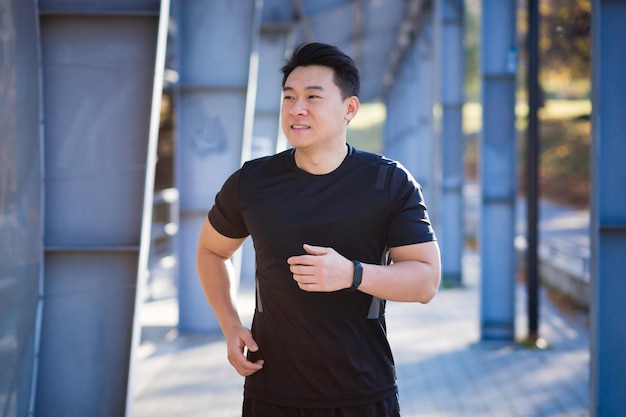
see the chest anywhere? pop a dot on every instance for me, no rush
(347, 214)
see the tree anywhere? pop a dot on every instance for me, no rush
(564, 41)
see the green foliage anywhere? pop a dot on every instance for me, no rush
(564, 160)
(472, 50)
(564, 74)
(565, 38)
(564, 47)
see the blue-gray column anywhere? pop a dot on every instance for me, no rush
(266, 127)
(400, 129)
(408, 132)
(273, 44)
(608, 209)
(214, 45)
(426, 158)
(148, 193)
(21, 205)
(100, 73)
(498, 170)
(451, 234)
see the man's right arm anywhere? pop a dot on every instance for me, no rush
(216, 275)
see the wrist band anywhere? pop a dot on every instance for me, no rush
(357, 277)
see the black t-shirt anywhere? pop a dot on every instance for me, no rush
(320, 349)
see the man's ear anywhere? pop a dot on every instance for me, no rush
(352, 107)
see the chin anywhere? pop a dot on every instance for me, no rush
(299, 143)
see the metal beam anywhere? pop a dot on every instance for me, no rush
(400, 128)
(100, 151)
(305, 23)
(450, 14)
(21, 206)
(145, 245)
(266, 123)
(408, 132)
(406, 30)
(532, 173)
(210, 128)
(498, 170)
(426, 162)
(608, 209)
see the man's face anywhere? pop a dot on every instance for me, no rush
(313, 112)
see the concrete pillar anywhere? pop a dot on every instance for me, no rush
(426, 162)
(449, 14)
(399, 131)
(498, 170)
(408, 132)
(215, 43)
(102, 69)
(21, 205)
(266, 127)
(608, 209)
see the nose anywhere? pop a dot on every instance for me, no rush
(298, 108)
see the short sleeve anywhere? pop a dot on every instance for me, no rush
(409, 222)
(225, 215)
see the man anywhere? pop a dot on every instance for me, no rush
(325, 219)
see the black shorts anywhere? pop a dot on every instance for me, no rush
(385, 408)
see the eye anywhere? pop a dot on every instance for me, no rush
(288, 98)
(313, 96)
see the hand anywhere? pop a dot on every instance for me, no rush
(321, 269)
(237, 340)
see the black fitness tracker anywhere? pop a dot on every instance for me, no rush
(357, 277)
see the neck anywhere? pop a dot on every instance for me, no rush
(320, 163)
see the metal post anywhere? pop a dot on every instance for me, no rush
(211, 114)
(21, 206)
(450, 14)
(266, 127)
(148, 193)
(532, 182)
(608, 209)
(425, 130)
(498, 170)
(409, 132)
(400, 128)
(101, 86)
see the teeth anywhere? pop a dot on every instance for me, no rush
(299, 127)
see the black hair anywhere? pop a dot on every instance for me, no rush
(346, 73)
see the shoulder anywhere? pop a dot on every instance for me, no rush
(388, 170)
(374, 159)
(271, 162)
(369, 158)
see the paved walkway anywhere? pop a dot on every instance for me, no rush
(443, 369)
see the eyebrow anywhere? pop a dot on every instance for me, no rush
(311, 87)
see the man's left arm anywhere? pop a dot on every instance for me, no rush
(414, 275)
